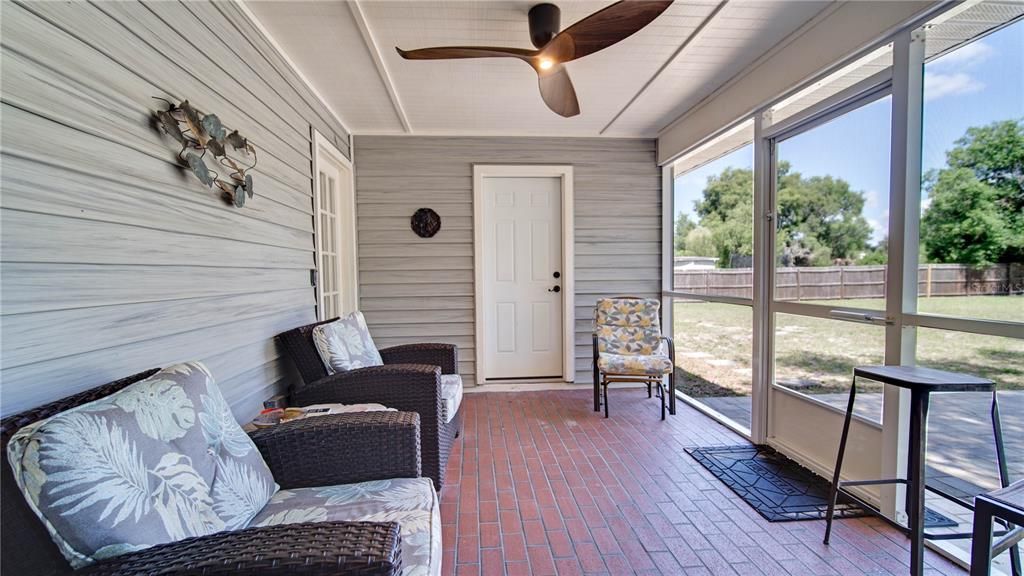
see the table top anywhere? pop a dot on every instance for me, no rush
(927, 379)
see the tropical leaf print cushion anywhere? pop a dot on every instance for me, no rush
(156, 462)
(345, 344)
(411, 502)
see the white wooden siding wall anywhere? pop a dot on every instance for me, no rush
(114, 260)
(414, 289)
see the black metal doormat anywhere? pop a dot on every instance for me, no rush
(778, 488)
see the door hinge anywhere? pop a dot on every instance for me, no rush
(313, 277)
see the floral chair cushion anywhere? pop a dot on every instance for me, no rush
(451, 396)
(411, 502)
(156, 462)
(345, 344)
(653, 365)
(628, 326)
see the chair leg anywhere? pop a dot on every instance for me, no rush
(981, 539)
(648, 388)
(605, 384)
(661, 390)
(672, 392)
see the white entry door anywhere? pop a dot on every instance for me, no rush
(522, 277)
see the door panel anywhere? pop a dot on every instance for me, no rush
(522, 251)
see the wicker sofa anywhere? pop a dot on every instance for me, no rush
(326, 451)
(410, 380)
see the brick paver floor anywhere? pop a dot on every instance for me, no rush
(538, 483)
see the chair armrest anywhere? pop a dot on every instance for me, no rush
(405, 387)
(311, 548)
(342, 448)
(444, 355)
(671, 349)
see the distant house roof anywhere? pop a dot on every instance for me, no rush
(695, 262)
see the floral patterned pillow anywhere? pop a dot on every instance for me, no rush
(345, 344)
(159, 461)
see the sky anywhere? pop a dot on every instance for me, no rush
(976, 84)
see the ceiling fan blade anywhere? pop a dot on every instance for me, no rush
(557, 91)
(603, 29)
(452, 52)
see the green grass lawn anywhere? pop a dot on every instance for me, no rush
(713, 343)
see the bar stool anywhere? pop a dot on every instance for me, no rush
(921, 382)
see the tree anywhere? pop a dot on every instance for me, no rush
(819, 217)
(683, 227)
(825, 209)
(976, 214)
(700, 242)
(963, 223)
(727, 211)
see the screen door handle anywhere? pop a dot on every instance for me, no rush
(862, 317)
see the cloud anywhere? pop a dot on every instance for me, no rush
(938, 85)
(879, 226)
(965, 56)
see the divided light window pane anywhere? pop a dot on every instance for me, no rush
(972, 206)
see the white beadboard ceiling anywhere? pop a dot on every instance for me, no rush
(634, 89)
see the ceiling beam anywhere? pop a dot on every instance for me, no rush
(378, 61)
(671, 60)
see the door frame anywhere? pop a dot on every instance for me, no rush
(348, 259)
(565, 173)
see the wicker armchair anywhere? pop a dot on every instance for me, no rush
(409, 380)
(355, 448)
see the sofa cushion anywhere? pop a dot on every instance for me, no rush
(411, 502)
(345, 344)
(156, 462)
(451, 396)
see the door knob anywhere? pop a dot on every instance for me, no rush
(557, 275)
(555, 289)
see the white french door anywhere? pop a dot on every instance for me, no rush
(335, 234)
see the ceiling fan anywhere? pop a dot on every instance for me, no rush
(598, 31)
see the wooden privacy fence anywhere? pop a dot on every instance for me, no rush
(842, 282)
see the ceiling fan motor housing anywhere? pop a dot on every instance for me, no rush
(545, 22)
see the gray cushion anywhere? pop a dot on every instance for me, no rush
(451, 396)
(156, 462)
(411, 502)
(345, 344)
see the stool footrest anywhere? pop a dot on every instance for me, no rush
(1006, 540)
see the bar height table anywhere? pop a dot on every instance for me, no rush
(921, 382)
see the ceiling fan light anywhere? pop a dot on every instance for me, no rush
(546, 64)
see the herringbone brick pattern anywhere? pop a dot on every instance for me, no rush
(540, 484)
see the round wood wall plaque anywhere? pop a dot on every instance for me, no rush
(425, 223)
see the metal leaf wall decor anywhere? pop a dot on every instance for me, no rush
(200, 133)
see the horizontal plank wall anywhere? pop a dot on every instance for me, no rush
(414, 289)
(114, 260)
